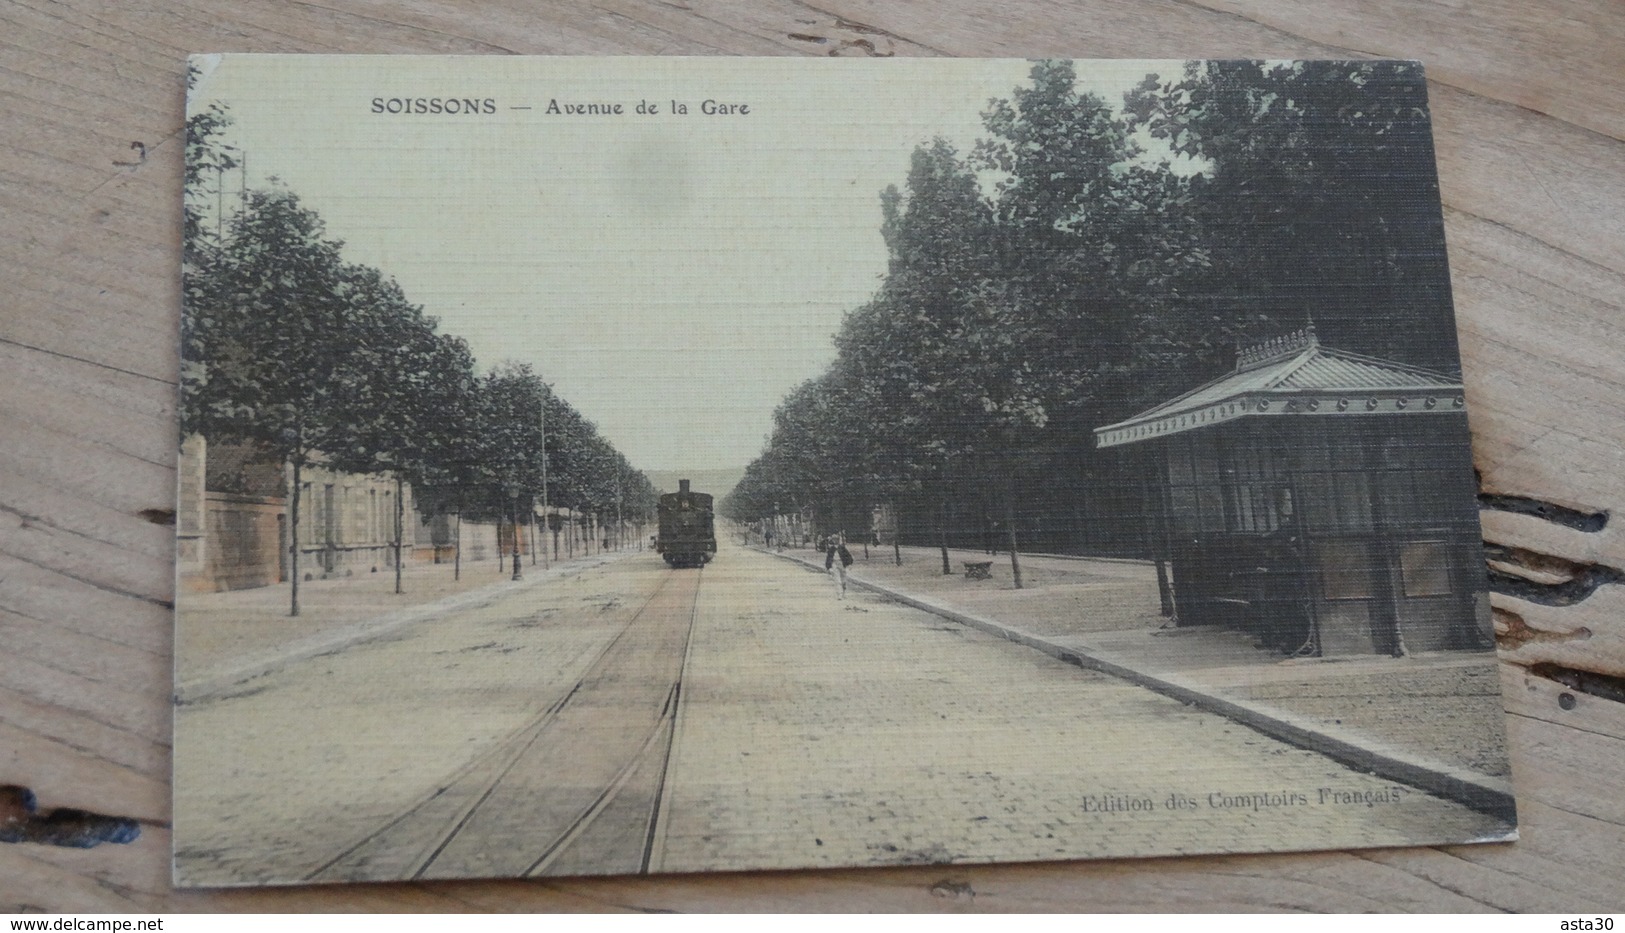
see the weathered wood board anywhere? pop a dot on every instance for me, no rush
(1529, 112)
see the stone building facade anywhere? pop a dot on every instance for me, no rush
(233, 520)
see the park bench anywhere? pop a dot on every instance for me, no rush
(978, 569)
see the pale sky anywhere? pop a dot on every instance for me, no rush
(672, 276)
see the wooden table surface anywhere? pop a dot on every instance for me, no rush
(1529, 112)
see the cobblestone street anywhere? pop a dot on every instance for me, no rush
(795, 729)
(821, 732)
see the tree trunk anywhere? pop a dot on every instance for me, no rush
(1010, 524)
(1164, 591)
(400, 529)
(942, 540)
(293, 535)
(518, 568)
(897, 535)
(457, 567)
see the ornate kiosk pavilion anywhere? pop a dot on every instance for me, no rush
(1319, 499)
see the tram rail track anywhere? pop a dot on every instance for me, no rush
(587, 772)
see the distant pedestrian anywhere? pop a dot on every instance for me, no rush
(836, 559)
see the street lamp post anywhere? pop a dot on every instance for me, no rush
(513, 496)
(545, 517)
(296, 455)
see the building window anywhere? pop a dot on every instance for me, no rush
(313, 511)
(1346, 570)
(1210, 505)
(330, 516)
(1425, 568)
(1353, 501)
(341, 534)
(1252, 486)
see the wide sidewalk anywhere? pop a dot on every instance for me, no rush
(1434, 720)
(221, 637)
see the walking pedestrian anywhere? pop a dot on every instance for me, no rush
(836, 559)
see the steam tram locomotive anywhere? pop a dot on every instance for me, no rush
(687, 536)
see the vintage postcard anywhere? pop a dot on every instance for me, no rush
(615, 466)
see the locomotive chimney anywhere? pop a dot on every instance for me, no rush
(682, 486)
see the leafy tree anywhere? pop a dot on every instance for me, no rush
(951, 337)
(413, 399)
(512, 441)
(521, 418)
(1063, 276)
(456, 480)
(208, 157)
(290, 349)
(1101, 244)
(270, 327)
(1317, 196)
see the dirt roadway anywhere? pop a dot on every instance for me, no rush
(280, 775)
(809, 731)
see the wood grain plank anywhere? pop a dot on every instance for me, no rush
(1529, 111)
(32, 883)
(64, 776)
(1566, 62)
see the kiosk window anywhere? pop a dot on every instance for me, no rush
(1425, 566)
(1346, 571)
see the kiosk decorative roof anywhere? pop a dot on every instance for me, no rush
(1294, 375)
